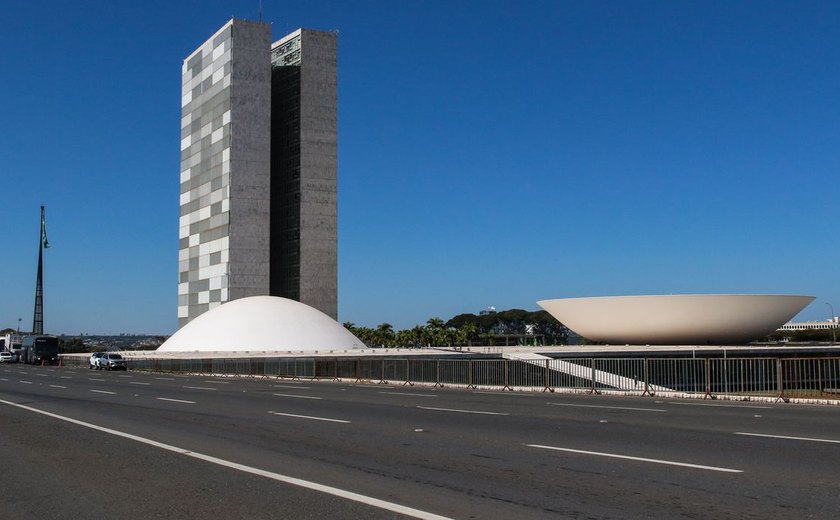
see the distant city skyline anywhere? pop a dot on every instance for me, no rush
(493, 153)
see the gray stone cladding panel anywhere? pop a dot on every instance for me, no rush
(250, 155)
(319, 171)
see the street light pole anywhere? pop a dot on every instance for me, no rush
(18, 327)
(833, 327)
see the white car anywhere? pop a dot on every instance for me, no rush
(112, 361)
(94, 359)
(6, 357)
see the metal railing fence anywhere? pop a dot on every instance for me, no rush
(774, 377)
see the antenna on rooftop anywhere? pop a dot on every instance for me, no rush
(260, 10)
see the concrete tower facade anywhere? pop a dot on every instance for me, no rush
(304, 166)
(235, 179)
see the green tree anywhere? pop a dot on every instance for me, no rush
(385, 336)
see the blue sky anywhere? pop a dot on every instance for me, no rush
(490, 153)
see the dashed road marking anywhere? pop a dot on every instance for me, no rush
(788, 437)
(639, 459)
(409, 393)
(518, 394)
(174, 400)
(710, 405)
(299, 396)
(310, 417)
(608, 407)
(461, 411)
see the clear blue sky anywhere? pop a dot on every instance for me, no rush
(490, 153)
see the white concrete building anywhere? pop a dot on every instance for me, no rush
(833, 323)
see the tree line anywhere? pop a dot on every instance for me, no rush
(511, 327)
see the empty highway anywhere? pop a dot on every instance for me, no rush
(78, 443)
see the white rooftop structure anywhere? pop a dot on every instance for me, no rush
(833, 323)
(696, 319)
(262, 323)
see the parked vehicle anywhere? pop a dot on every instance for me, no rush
(6, 357)
(13, 345)
(112, 361)
(93, 362)
(39, 349)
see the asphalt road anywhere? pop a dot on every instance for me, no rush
(138, 445)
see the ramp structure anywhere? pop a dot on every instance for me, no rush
(595, 376)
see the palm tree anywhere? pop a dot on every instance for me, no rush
(468, 334)
(385, 335)
(435, 323)
(420, 336)
(404, 338)
(436, 330)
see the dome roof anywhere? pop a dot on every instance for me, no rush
(262, 323)
(688, 319)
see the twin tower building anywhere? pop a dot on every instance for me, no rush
(259, 163)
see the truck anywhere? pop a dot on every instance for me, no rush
(13, 344)
(39, 349)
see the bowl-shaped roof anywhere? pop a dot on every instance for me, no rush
(262, 323)
(699, 319)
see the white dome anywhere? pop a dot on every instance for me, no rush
(262, 323)
(695, 319)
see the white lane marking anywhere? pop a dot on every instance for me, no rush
(640, 459)
(65, 377)
(461, 411)
(200, 388)
(608, 407)
(408, 393)
(174, 400)
(298, 396)
(57, 386)
(310, 417)
(3, 379)
(520, 394)
(217, 382)
(94, 379)
(349, 495)
(24, 373)
(26, 382)
(138, 383)
(41, 375)
(166, 378)
(103, 392)
(725, 405)
(377, 387)
(293, 387)
(811, 439)
(125, 376)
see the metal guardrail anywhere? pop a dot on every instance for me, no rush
(770, 377)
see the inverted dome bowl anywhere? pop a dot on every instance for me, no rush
(698, 319)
